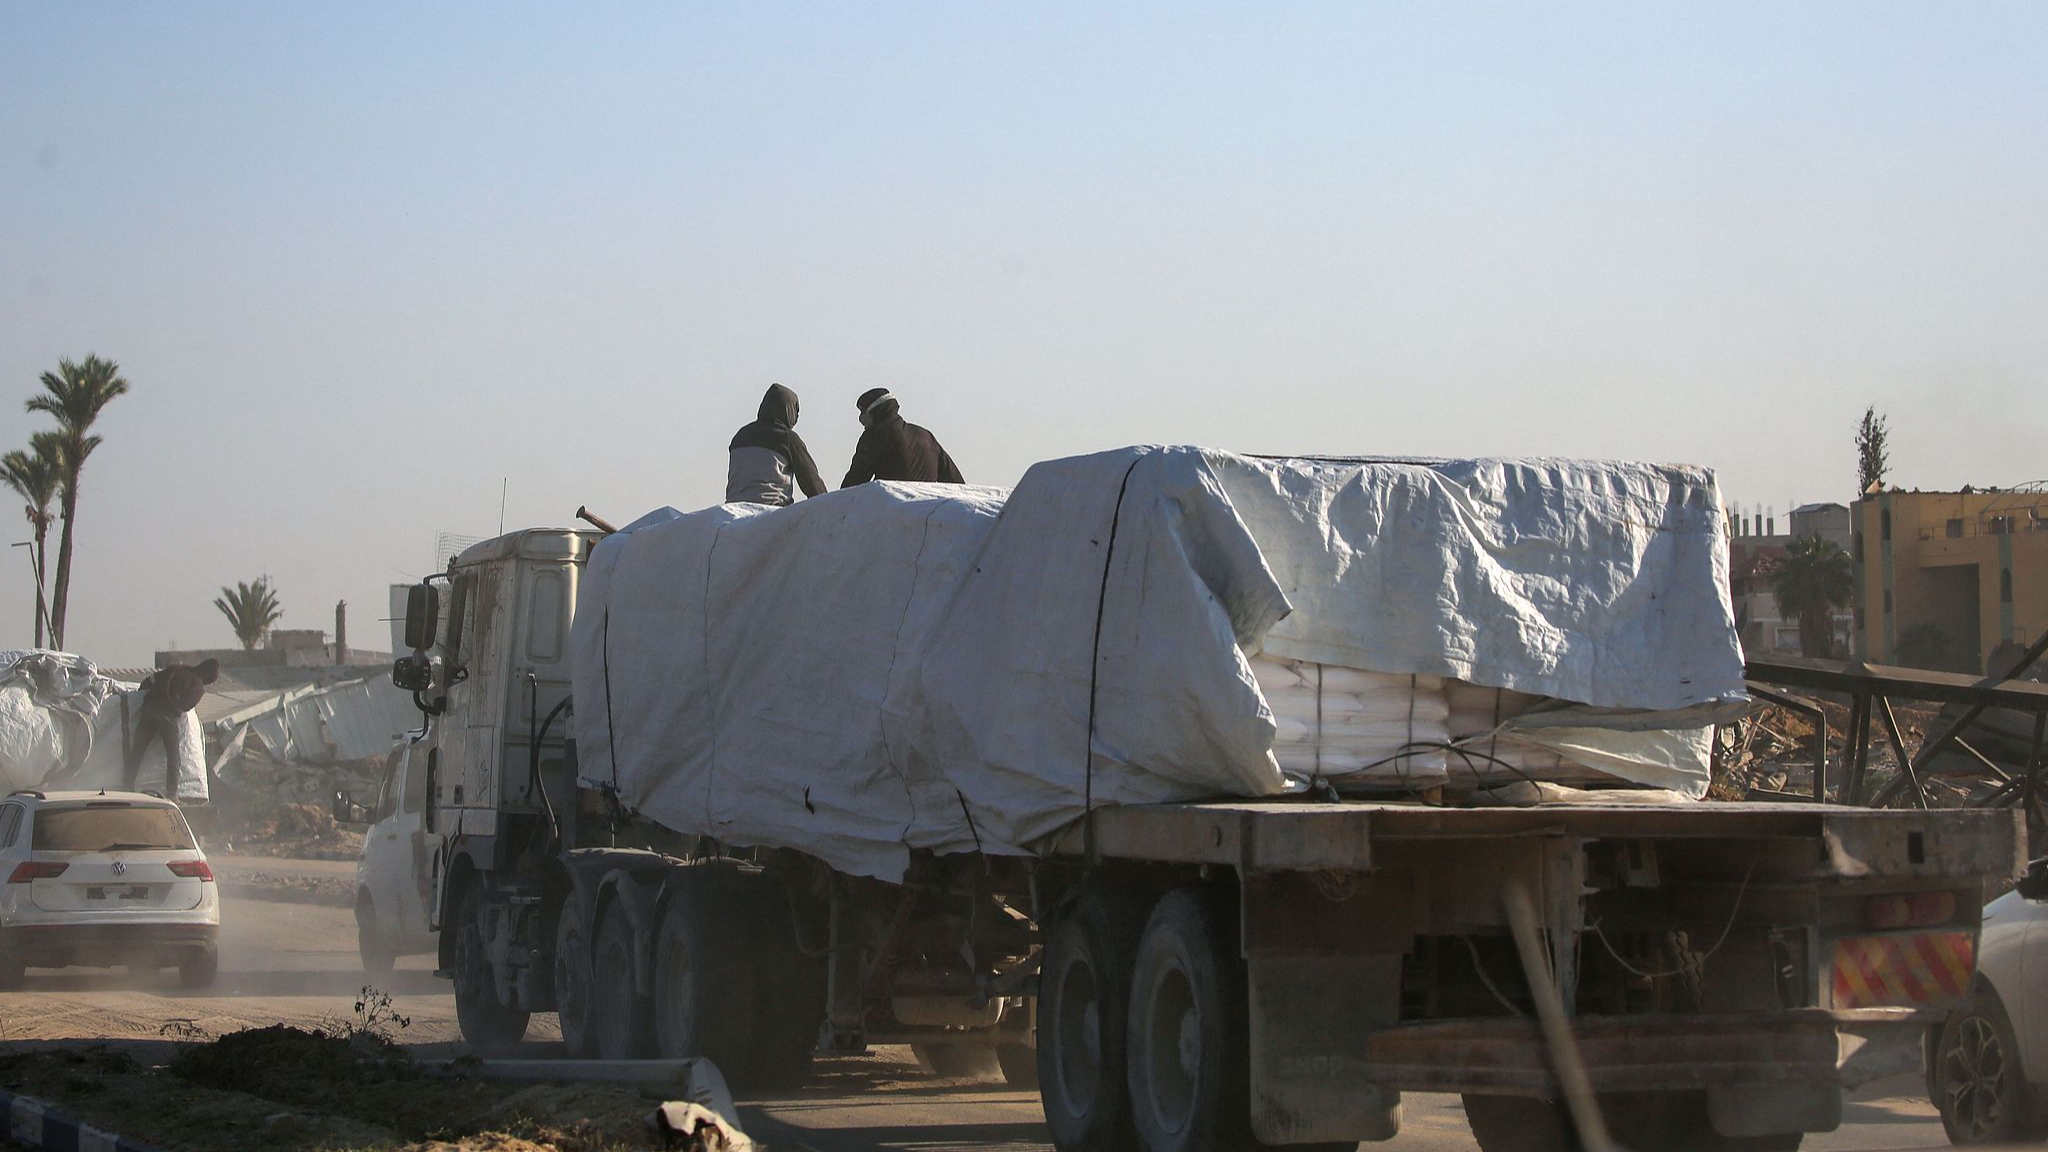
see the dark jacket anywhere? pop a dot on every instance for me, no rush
(892, 448)
(768, 462)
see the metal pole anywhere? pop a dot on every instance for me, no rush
(1891, 730)
(1858, 739)
(2033, 776)
(1557, 1033)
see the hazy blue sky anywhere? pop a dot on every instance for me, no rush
(363, 262)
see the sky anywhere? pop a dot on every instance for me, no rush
(371, 268)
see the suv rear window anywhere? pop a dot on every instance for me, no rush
(106, 828)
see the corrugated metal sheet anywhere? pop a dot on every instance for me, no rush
(342, 722)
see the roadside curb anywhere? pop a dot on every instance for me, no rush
(34, 1124)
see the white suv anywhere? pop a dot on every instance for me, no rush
(103, 878)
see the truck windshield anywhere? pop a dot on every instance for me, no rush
(123, 828)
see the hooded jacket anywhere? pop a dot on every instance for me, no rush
(768, 462)
(892, 448)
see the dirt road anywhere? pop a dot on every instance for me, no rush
(296, 963)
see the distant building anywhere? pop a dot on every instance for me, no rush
(1756, 551)
(1966, 571)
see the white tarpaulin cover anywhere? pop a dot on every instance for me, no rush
(61, 727)
(899, 666)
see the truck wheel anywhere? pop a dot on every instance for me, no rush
(619, 1025)
(957, 1061)
(789, 992)
(485, 1022)
(572, 977)
(1083, 988)
(1978, 1085)
(702, 989)
(378, 956)
(1019, 1063)
(1189, 1084)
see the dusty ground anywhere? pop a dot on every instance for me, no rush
(295, 963)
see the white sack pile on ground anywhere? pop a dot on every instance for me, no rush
(898, 666)
(62, 727)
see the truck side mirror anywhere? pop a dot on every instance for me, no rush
(422, 616)
(412, 673)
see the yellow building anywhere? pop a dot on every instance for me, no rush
(1973, 565)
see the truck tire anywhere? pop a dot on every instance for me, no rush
(703, 988)
(486, 1023)
(377, 954)
(1186, 1061)
(789, 991)
(620, 1027)
(572, 977)
(1083, 988)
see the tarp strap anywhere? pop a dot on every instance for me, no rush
(611, 728)
(1095, 665)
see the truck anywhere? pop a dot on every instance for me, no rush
(1191, 975)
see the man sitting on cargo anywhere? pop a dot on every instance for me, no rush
(892, 448)
(768, 460)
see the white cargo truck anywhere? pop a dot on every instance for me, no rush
(999, 773)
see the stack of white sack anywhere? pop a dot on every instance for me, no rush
(1499, 736)
(1489, 753)
(1355, 728)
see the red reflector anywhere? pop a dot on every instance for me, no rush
(29, 870)
(1919, 910)
(191, 868)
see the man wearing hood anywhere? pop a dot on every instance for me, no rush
(892, 448)
(768, 461)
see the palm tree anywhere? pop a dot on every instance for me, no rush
(74, 394)
(1814, 580)
(36, 475)
(252, 609)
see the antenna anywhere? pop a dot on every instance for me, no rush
(504, 485)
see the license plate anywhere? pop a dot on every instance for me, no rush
(118, 892)
(1907, 970)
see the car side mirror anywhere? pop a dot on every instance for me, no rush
(422, 616)
(347, 811)
(2033, 883)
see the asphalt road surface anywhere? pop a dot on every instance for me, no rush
(296, 963)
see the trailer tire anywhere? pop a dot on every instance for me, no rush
(1186, 1061)
(789, 991)
(702, 987)
(619, 1024)
(1084, 985)
(572, 977)
(485, 1022)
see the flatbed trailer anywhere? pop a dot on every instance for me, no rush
(1195, 977)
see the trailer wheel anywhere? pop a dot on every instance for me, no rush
(788, 987)
(485, 1022)
(1189, 1083)
(702, 988)
(619, 1027)
(1083, 988)
(572, 977)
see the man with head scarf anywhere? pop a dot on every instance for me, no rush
(892, 448)
(768, 461)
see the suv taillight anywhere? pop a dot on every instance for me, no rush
(29, 870)
(191, 869)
